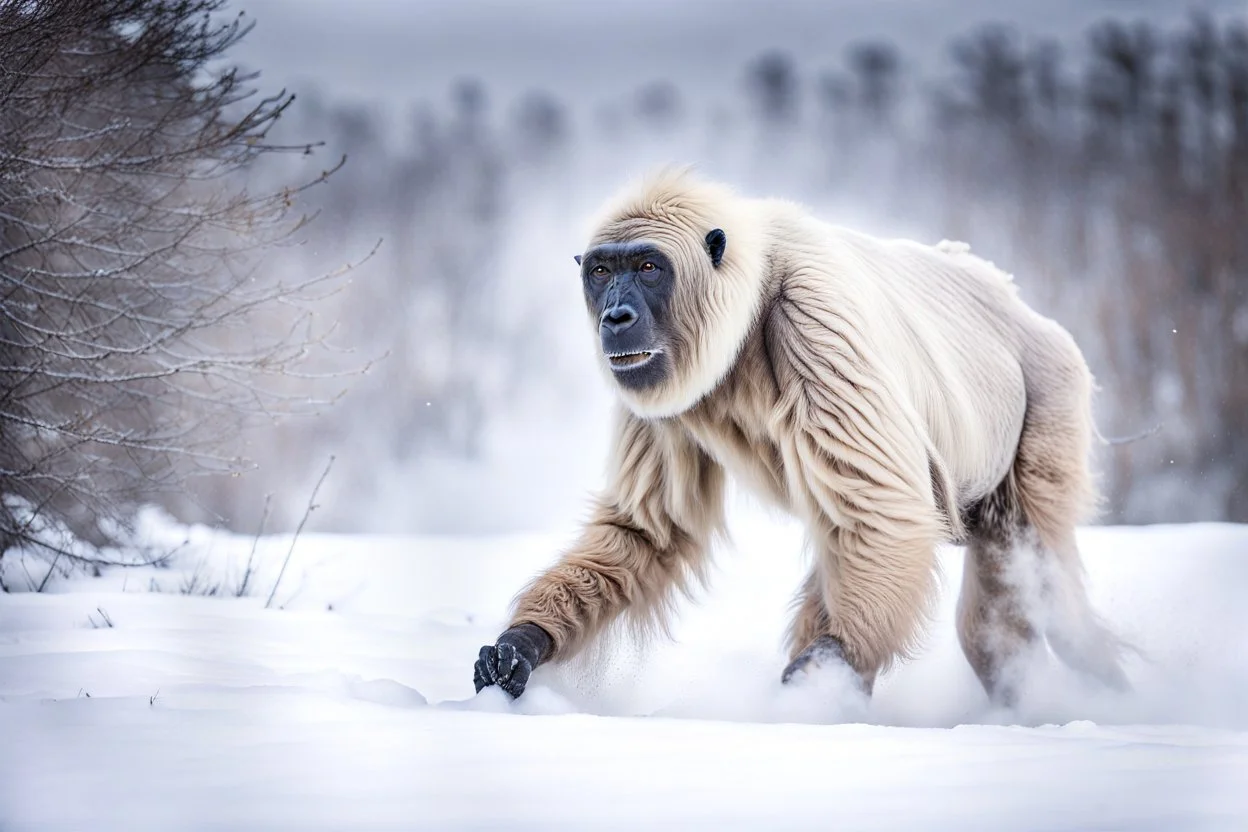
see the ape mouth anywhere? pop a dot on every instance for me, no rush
(630, 360)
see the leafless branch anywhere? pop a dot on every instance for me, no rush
(251, 556)
(139, 330)
(311, 507)
(1135, 437)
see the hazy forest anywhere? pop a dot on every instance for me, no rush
(1109, 175)
(448, 370)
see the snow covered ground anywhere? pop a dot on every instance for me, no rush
(127, 705)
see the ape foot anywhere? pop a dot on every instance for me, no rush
(509, 663)
(823, 651)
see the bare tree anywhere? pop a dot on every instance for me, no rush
(1118, 188)
(876, 66)
(136, 335)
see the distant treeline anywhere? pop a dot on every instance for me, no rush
(1109, 175)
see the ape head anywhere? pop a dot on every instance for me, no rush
(629, 288)
(668, 294)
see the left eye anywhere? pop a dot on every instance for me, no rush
(648, 267)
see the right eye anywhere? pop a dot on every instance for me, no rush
(599, 271)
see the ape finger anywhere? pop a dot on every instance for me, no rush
(518, 681)
(507, 661)
(481, 676)
(485, 671)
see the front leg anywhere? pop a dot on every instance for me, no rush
(809, 634)
(875, 582)
(648, 537)
(810, 639)
(823, 651)
(857, 464)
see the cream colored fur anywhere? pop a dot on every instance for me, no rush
(883, 391)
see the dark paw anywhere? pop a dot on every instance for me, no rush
(509, 663)
(821, 652)
(501, 665)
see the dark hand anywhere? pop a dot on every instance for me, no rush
(509, 662)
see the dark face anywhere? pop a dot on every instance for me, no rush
(628, 288)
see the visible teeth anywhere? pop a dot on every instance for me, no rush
(629, 359)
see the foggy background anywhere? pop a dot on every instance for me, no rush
(1096, 150)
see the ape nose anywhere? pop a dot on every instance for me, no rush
(619, 318)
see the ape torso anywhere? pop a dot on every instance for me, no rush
(967, 390)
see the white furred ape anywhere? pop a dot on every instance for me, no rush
(127, 705)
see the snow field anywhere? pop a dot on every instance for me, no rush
(352, 706)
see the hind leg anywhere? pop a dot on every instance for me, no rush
(1056, 492)
(1017, 591)
(996, 607)
(1023, 577)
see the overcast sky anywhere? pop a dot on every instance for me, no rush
(399, 50)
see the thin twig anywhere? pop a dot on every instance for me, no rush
(1124, 440)
(51, 569)
(311, 507)
(242, 587)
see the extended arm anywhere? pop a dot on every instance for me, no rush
(649, 534)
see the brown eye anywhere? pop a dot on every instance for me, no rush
(648, 266)
(599, 271)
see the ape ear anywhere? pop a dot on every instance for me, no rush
(577, 258)
(716, 242)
